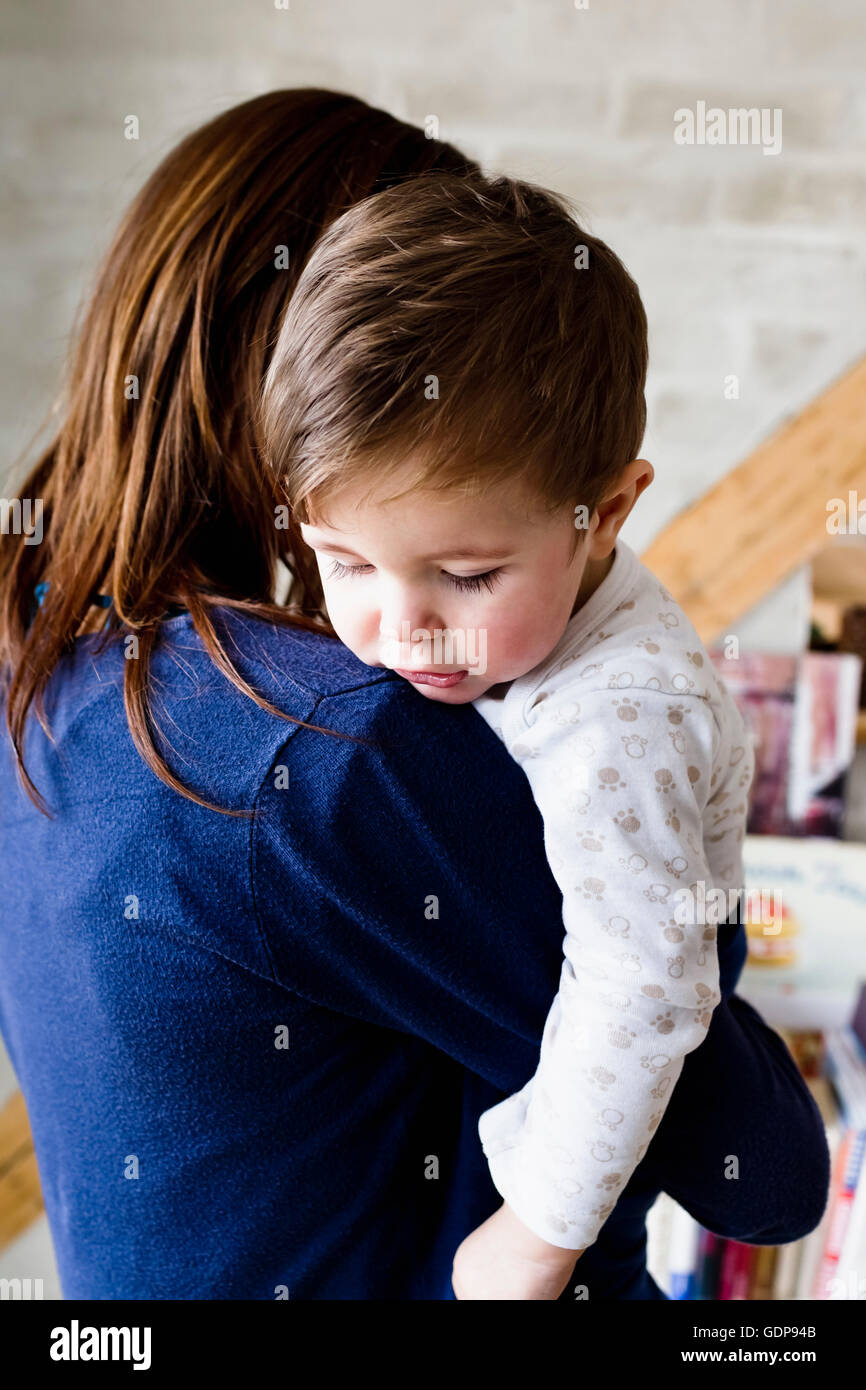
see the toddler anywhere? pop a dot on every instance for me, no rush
(454, 408)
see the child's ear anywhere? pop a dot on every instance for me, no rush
(646, 476)
(615, 507)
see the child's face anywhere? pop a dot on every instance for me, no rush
(395, 574)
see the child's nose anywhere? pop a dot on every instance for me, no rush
(404, 621)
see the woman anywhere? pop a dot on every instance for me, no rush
(239, 975)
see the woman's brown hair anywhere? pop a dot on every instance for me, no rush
(154, 492)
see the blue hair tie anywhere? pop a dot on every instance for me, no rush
(99, 600)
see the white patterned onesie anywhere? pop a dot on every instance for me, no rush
(640, 764)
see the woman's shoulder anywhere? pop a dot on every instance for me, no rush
(284, 654)
(221, 742)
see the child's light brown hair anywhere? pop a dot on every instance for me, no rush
(468, 323)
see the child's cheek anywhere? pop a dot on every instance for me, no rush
(524, 630)
(347, 620)
(518, 638)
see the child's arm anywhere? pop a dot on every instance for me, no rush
(622, 803)
(503, 1259)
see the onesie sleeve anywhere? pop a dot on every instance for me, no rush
(621, 781)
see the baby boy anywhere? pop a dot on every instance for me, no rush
(455, 408)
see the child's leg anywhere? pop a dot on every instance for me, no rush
(742, 1144)
(740, 1096)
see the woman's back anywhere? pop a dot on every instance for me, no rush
(223, 1027)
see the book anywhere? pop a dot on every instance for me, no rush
(763, 1272)
(683, 1255)
(858, 1022)
(825, 738)
(816, 984)
(658, 1230)
(737, 1259)
(764, 686)
(710, 1250)
(850, 1278)
(812, 1246)
(801, 713)
(845, 1068)
(846, 1173)
(787, 1271)
(690, 1262)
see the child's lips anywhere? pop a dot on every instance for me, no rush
(433, 677)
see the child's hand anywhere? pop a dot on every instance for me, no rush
(503, 1259)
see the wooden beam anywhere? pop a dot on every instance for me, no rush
(839, 571)
(740, 540)
(20, 1192)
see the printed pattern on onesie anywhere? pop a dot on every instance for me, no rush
(640, 764)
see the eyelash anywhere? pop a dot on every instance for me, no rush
(466, 583)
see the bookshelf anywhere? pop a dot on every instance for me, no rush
(691, 1263)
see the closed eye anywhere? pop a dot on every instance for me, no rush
(467, 583)
(472, 582)
(340, 571)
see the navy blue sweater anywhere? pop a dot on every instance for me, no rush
(254, 1051)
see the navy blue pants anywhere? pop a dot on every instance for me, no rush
(739, 1094)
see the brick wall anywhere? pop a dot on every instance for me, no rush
(749, 265)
